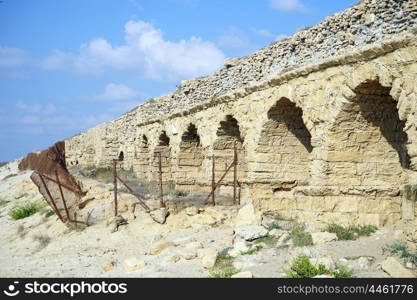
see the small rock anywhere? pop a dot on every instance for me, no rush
(133, 264)
(108, 266)
(247, 216)
(191, 211)
(208, 257)
(194, 246)
(323, 237)
(250, 233)
(245, 274)
(395, 269)
(173, 258)
(159, 246)
(284, 240)
(188, 254)
(238, 247)
(159, 215)
(409, 265)
(276, 232)
(324, 276)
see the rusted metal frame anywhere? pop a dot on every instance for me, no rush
(115, 187)
(141, 202)
(63, 185)
(62, 195)
(51, 198)
(218, 183)
(161, 203)
(213, 181)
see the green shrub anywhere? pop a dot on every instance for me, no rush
(269, 240)
(3, 164)
(21, 196)
(400, 250)
(179, 193)
(302, 268)
(299, 237)
(350, 232)
(251, 251)
(49, 213)
(223, 268)
(26, 210)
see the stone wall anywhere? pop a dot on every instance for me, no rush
(323, 122)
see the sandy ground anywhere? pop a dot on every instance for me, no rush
(40, 246)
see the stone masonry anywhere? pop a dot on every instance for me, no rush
(324, 122)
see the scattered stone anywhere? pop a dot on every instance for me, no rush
(159, 246)
(323, 237)
(284, 240)
(208, 257)
(409, 265)
(160, 215)
(395, 269)
(108, 266)
(173, 258)
(245, 274)
(191, 211)
(188, 254)
(114, 223)
(324, 276)
(361, 263)
(194, 246)
(133, 264)
(247, 216)
(276, 232)
(250, 233)
(238, 247)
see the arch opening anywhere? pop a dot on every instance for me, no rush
(284, 147)
(190, 157)
(367, 145)
(229, 135)
(162, 152)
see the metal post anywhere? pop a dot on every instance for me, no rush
(51, 199)
(235, 174)
(75, 220)
(62, 195)
(213, 181)
(162, 204)
(115, 187)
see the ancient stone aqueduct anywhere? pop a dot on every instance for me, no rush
(325, 122)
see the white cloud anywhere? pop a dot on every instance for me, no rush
(117, 92)
(12, 57)
(36, 108)
(287, 5)
(145, 52)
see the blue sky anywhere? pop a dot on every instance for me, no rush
(68, 65)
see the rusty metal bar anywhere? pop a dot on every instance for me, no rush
(50, 197)
(234, 173)
(75, 220)
(162, 204)
(115, 187)
(81, 193)
(218, 183)
(62, 195)
(213, 181)
(141, 202)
